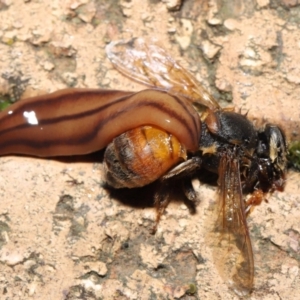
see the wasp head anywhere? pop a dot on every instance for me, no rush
(271, 155)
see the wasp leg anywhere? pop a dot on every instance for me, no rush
(190, 195)
(257, 197)
(183, 171)
(161, 201)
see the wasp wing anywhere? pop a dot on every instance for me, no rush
(151, 65)
(232, 249)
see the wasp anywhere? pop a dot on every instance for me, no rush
(167, 133)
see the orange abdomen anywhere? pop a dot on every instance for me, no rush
(140, 156)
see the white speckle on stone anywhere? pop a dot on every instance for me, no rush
(262, 3)
(214, 21)
(223, 85)
(249, 53)
(184, 33)
(183, 207)
(75, 4)
(98, 267)
(209, 49)
(87, 12)
(182, 223)
(10, 258)
(48, 66)
(231, 24)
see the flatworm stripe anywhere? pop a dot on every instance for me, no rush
(80, 121)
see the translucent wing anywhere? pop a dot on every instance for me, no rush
(151, 65)
(230, 239)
